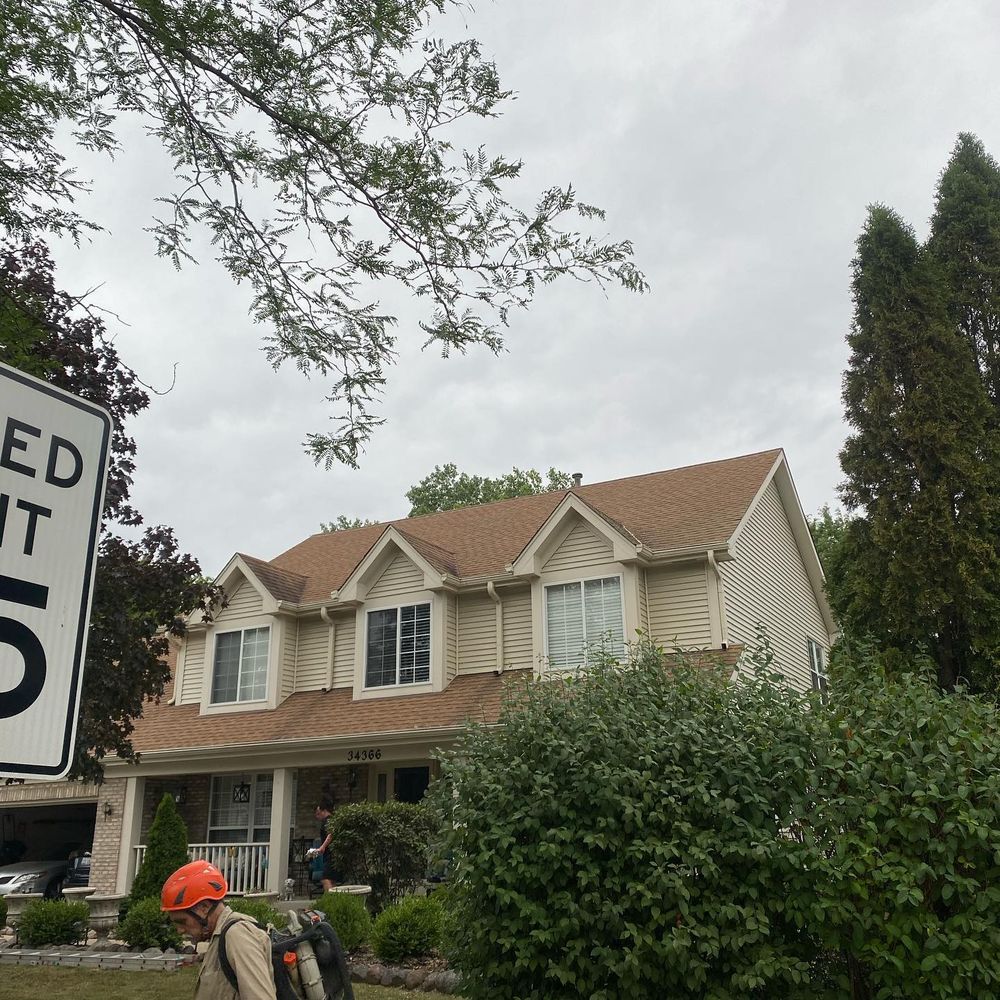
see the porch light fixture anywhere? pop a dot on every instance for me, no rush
(241, 792)
(108, 810)
(180, 795)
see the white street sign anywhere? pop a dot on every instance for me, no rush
(53, 465)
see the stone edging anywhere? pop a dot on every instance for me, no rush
(154, 960)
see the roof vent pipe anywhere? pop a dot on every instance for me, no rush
(577, 478)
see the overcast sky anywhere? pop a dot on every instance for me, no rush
(736, 142)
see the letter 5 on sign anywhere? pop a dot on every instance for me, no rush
(53, 465)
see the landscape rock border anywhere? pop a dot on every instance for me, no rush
(153, 960)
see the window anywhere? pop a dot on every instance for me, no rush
(239, 809)
(581, 615)
(398, 646)
(240, 671)
(817, 666)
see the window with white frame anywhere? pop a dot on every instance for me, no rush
(239, 808)
(398, 646)
(817, 666)
(240, 669)
(582, 616)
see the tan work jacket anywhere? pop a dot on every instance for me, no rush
(248, 949)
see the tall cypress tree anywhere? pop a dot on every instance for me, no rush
(965, 240)
(921, 465)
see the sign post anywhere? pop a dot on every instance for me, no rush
(53, 466)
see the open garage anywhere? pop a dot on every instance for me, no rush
(46, 821)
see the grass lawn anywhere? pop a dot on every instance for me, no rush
(54, 983)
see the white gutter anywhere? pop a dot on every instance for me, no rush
(723, 625)
(284, 748)
(492, 591)
(331, 647)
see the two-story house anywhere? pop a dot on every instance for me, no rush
(336, 668)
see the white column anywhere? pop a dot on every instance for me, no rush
(281, 822)
(135, 791)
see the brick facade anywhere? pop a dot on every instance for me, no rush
(107, 836)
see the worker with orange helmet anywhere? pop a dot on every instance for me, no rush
(193, 900)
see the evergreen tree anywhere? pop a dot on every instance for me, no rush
(921, 465)
(965, 240)
(166, 851)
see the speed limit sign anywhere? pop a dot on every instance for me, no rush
(53, 466)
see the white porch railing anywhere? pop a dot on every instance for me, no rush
(244, 865)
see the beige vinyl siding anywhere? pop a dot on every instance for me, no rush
(246, 601)
(289, 656)
(450, 638)
(477, 633)
(192, 673)
(400, 577)
(581, 547)
(767, 583)
(314, 653)
(343, 656)
(678, 606)
(517, 651)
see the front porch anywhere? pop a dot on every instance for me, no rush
(253, 824)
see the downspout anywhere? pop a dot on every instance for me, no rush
(331, 647)
(492, 591)
(723, 626)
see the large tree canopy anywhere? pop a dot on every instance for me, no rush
(921, 563)
(144, 584)
(340, 112)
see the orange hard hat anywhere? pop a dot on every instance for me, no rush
(191, 884)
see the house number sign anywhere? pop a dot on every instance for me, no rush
(375, 754)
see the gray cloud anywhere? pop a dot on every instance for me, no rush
(737, 144)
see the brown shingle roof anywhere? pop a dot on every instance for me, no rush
(681, 508)
(323, 715)
(282, 584)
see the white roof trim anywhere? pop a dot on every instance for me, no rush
(235, 570)
(367, 572)
(535, 554)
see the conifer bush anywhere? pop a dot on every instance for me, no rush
(166, 851)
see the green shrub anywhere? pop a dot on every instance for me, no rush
(260, 910)
(3, 911)
(408, 929)
(625, 833)
(147, 926)
(52, 921)
(384, 845)
(908, 793)
(166, 851)
(648, 830)
(348, 916)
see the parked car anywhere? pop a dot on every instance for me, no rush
(34, 876)
(79, 871)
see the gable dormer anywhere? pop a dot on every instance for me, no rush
(244, 659)
(405, 628)
(585, 584)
